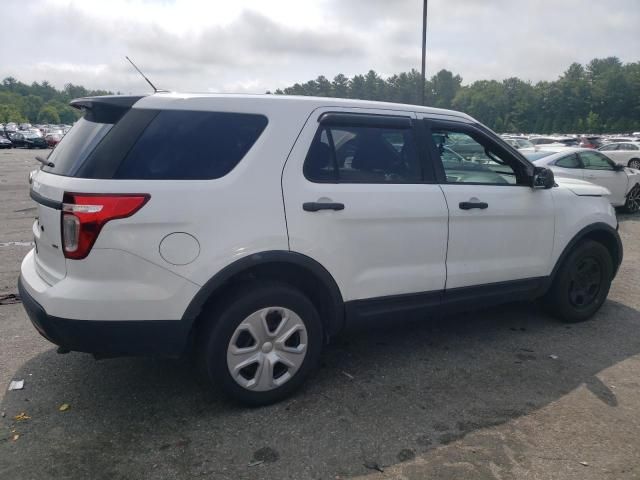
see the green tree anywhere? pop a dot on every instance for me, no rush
(48, 114)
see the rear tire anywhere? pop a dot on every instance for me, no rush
(582, 283)
(634, 163)
(248, 349)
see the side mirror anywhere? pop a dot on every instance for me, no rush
(542, 178)
(618, 168)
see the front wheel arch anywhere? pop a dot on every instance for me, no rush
(599, 232)
(632, 160)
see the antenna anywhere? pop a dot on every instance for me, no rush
(155, 90)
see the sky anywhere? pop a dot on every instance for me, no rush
(258, 45)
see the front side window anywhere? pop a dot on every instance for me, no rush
(467, 160)
(570, 161)
(596, 161)
(363, 154)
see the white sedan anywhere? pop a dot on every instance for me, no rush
(594, 167)
(623, 153)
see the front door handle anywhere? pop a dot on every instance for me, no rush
(470, 205)
(315, 206)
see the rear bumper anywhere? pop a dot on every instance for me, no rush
(107, 337)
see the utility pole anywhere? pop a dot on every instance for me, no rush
(424, 50)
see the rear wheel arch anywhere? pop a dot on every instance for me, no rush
(598, 232)
(295, 269)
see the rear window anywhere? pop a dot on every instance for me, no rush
(165, 145)
(76, 146)
(191, 145)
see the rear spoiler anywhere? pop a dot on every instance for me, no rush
(105, 109)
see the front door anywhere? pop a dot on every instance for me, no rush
(500, 229)
(600, 170)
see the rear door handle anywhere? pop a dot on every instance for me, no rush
(315, 206)
(470, 205)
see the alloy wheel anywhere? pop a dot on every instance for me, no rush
(635, 163)
(633, 200)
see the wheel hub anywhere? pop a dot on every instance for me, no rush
(267, 349)
(586, 278)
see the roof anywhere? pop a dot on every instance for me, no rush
(260, 101)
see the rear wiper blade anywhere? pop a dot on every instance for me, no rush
(44, 161)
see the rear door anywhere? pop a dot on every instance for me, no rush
(49, 259)
(500, 229)
(599, 169)
(359, 201)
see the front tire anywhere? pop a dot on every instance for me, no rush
(262, 343)
(632, 203)
(634, 163)
(582, 283)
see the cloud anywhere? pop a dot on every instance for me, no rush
(252, 45)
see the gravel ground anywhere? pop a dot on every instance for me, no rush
(506, 393)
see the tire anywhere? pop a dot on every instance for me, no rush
(632, 203)
(574, 295)
(634, 163)
(260, 306)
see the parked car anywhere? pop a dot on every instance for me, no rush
(593, 166)
(53, 139)
(620, 139)
(28, 140)
(525, 146)
(5, 142)
(623, 153)
(255, 228)
(565, 141)
(590, 141)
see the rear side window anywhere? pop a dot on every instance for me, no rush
(363, 154)
(182, 145)
(157, 145)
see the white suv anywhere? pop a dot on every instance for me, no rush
(252, 229)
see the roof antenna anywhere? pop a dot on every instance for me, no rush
(155, 90)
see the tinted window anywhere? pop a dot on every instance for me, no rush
(627, 146)
(182, 145)
(363, 155)
(75, 147)
(609, 148)
(466, 160)
(596, 161)
(569, 162)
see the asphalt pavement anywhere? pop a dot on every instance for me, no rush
(505, 393)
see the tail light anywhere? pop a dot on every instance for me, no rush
(84, 215)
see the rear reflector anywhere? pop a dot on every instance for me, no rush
(84, 215)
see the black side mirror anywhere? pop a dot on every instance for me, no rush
(618, 168)
(542, 178)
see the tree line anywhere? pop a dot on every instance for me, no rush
(600, 97)
(40, 102)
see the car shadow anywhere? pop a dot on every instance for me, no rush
(381, 396)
